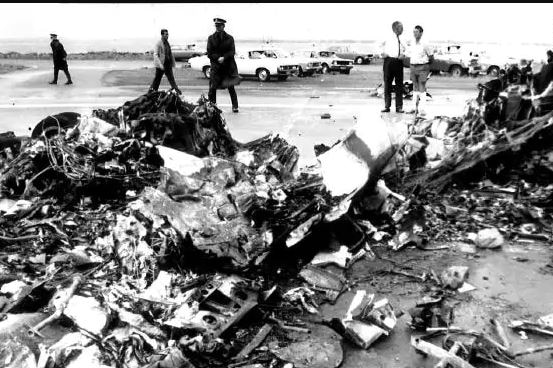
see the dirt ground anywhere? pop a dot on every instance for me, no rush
(506, 288)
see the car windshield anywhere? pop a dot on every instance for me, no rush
(326, 53)
(276, 53)
(257, 54)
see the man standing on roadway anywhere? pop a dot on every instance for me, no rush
(421, 56)
(224, 72)
(164, 62)
(60, 59)
(393, 52)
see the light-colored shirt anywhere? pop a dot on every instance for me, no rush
(419, 52)
(391, 47)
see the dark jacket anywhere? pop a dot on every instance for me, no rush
(225, 74)
(58, 53)
(544, 77)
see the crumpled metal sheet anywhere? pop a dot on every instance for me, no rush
(321, 348)
(361, 155)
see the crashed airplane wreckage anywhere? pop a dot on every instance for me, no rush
(146, 236)
(127, 214)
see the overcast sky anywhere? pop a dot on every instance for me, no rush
(522, 22)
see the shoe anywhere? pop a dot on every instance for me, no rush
(385, 110)
(235, 109)
(52, 82)
(68, 82)
(400, 110)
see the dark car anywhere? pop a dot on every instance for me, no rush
(451, 60)
(347, 53)
(183, 53)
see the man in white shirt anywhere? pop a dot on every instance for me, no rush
(393, 53)
(421, 55)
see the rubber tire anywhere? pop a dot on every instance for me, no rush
(207, 71)
(300, 72)
(456, 71)
(359, 60)
(325, 69)
(263, 75)
(347, 71)
(493, 71)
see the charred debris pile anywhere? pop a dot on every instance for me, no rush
(146, 236)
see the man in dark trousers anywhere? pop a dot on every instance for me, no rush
(393, 52)
(60, 59)
(164, 62)
(224, 72)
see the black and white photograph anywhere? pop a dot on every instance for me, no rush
(276, 185)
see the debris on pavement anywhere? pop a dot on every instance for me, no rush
(489, 238)
(146, 236)
(366, 320)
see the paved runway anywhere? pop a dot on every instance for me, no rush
(292, 108)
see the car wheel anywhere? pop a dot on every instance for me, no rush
(456, 71)
(347, 71)
(207, 72)
(325, 69)
(300, 72)
(359, 60)
(493, 71)
(282, 77)
(263, 75)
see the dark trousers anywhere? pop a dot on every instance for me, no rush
(57, 68)
(168, 71)
(212, 95)
(393, 70)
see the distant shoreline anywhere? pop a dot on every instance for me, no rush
(93, 55)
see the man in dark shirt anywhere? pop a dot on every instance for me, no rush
(60, 59)
(164, 63)
(224, 72)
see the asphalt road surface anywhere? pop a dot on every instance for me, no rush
(292, 108)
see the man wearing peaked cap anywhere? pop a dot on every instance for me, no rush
(60, 59)
(224, 72)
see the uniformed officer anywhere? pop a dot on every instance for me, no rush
(224, 72)
(60, 59)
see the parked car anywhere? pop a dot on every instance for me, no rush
(252, 63)
(183, 53)
(306, 66)
(492, 64)
(329, 61)
(347, 53)
(451, 60)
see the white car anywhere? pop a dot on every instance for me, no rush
(329, 60)
(492, 64)
(307, 65)
(252, 63)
